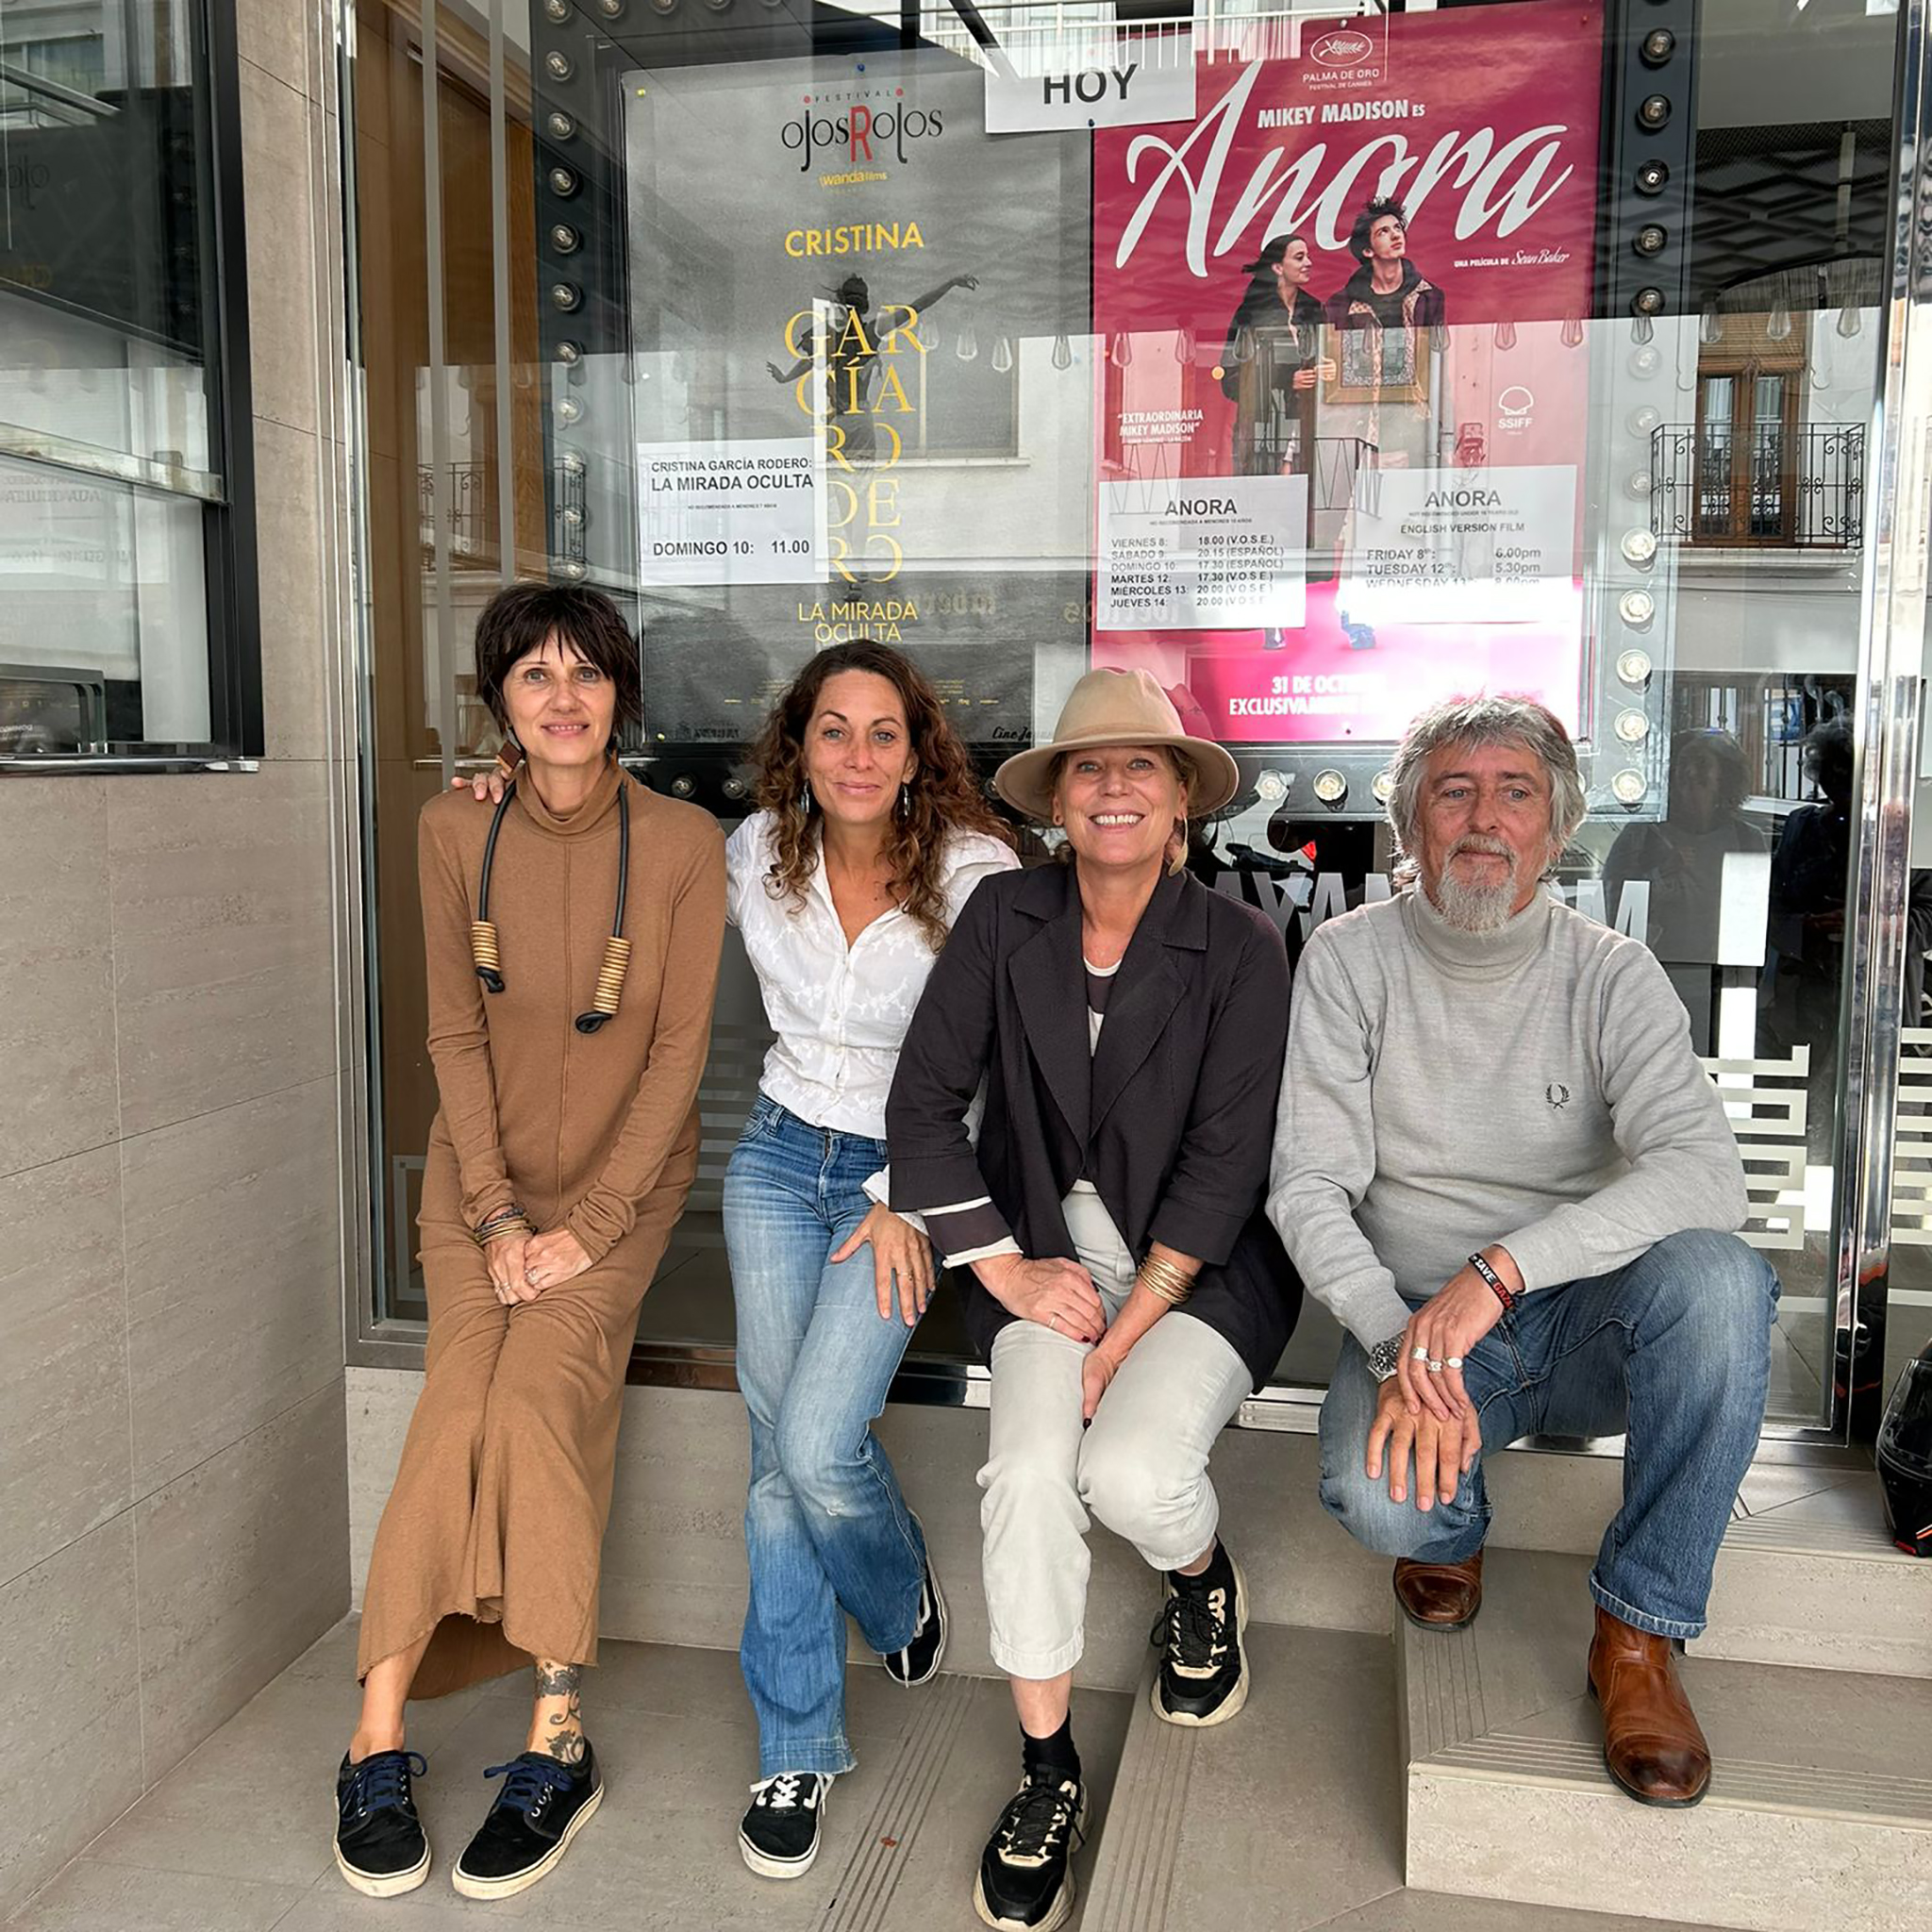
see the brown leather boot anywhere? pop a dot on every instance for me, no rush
(1653, 1745)
(1440, 1596)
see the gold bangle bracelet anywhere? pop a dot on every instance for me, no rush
(1172, 1284)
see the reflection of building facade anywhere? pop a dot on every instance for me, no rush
(252, 520)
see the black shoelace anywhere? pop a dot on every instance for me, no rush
(1193, 1631)
(1036, 1819)
(381, 1782)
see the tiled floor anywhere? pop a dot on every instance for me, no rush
(237, 1838)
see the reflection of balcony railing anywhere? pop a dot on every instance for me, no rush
(466, 500)
(470, 504)
(1803, 488)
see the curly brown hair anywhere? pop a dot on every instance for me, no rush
(943, 798)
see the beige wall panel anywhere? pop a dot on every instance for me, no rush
(69, 1695)
(288, 544)
(241, 1569)
(63, 1369)
(281, 37)
(56, 1014)
(234, 1273)
(278, 191)
(224, 965)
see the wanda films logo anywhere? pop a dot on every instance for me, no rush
(856, 130)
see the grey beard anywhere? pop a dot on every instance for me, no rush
(1475, 908)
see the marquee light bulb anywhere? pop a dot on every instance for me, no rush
(1629, 786)
(1382, 786)
(1331, 786)
(558, 66)
(1639, 547)
(1633, 668)
(1632, 727)
(1637, 609)
(566, 295)
(1271, 787)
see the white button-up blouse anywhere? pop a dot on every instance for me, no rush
(840, 1013)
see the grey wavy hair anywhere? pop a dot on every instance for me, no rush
(1473, 723)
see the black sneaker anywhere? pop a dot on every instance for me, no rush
(1203, 1678)
(919, 1662)
(779, 1835)
(541, 1806)
(1025, 1881)
(380, 1848)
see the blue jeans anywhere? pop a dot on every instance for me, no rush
(1672, 1351)
(825, 1528)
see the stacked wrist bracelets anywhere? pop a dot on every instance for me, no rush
(1173, 1285)
(510, 1220)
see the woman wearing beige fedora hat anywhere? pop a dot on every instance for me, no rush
(1121, 1277)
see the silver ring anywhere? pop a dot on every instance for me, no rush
(1053, 1322)
(1453, 1361)
(1417, 1355)
(1435, 1365)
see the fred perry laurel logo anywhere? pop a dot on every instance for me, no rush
(1557, 1093)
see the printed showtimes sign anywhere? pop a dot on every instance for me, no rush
(1199, 554)
(747, 511)
(1465, 546)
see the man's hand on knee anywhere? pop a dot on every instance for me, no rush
(1443, 1451)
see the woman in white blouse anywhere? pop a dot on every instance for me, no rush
(871, 834)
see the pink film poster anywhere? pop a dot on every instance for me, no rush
(1342, 398)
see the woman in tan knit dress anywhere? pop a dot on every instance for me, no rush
(558, 1164)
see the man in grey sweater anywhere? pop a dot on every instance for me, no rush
(1498, 1161)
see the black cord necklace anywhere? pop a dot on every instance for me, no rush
(486, 950)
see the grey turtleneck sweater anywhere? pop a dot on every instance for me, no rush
(1534, 1087)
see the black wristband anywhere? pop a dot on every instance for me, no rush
(1494, 1280)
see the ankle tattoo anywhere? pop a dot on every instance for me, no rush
(560, 1729)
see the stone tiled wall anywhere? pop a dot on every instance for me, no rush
(175, 1018)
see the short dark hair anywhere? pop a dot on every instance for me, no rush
(1365, 223)
(517, 620)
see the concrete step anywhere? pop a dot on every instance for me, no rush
(1820, 1811)
(1808, 1577)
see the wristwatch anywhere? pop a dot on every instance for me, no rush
(1384, 1358)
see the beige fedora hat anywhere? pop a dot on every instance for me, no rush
(1116, 707)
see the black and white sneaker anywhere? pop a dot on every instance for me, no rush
(540, 1809)
(779, 1835)
(1025, 1881)
(919, 1662)
(1203, 1678)
(380, 1847)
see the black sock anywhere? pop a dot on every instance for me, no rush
(1219, 1574)
(1056, 1753)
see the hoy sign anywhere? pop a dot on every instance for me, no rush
(1105, 78)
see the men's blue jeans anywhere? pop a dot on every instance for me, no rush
(825, 1528)
(1672, 1351)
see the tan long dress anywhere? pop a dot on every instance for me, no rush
(493, 1531)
